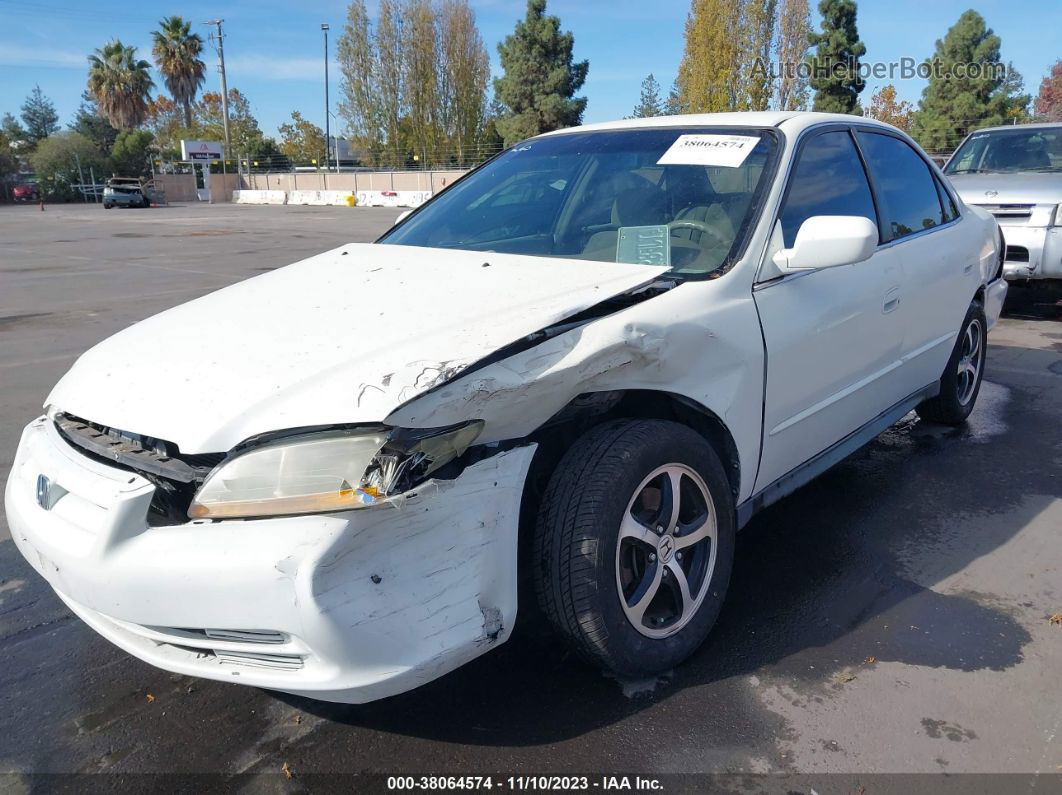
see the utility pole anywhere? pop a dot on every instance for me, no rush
(328, 142)
(219, 37)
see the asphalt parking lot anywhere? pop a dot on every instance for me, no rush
(892, 616)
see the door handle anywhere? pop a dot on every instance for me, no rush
(892, 300)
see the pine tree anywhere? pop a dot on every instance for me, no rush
(835, 64)
(540, 78)
(39, 116)
(674, 106)
(649, 103)
(89, 123)
(958, 98)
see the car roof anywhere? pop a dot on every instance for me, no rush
(1031, 125)
(788, 121)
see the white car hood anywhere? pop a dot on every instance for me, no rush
(1009, 188)
(342, 337)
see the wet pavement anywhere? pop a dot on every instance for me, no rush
(891, 616)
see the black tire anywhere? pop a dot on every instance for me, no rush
(577, 564)
(107, 206)
(957, 397)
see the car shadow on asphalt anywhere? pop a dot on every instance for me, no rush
(837, 575)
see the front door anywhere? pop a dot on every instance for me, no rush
(832, 336)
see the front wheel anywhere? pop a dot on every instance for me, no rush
(634, 545)
(961, 381)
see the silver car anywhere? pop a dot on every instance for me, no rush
(1015, 173)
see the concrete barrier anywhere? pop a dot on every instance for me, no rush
(323, 198)
(259, 197)
(393, 198)
(319, 198)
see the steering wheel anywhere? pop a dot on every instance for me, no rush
(699, 226)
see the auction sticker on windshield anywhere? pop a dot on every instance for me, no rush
(709, 150)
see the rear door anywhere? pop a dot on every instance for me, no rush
(832, 336)
(940, 259)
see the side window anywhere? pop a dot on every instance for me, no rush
(951, 212)
(828, 180)
(906, 188)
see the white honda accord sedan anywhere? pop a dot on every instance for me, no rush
(558, 387)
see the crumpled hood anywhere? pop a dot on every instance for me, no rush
(1017, 188)
(342, 337)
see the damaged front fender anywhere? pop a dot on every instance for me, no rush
(671, 344)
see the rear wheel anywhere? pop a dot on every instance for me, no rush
(634, 545)
(961, 381)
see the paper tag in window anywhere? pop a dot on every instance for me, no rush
(709, 150)
(644, 245)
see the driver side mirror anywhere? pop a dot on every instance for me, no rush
(827, 241)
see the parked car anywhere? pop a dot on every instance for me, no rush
(26, 192)
(1015, 173)
(561, 385)
(127, 192)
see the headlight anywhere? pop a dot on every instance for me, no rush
(331, 471)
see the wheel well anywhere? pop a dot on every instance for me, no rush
(591, 409)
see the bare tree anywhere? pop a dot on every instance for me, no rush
(464, 73)
(420, 61)
(359, 103)
(794, 26)
(757, 42)
(390, 77)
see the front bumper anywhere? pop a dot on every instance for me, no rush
(1044, 247)
(349, 607)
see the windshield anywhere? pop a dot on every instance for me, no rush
(1009, 150)
(665, 196)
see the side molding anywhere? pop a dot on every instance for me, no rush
(834, 454)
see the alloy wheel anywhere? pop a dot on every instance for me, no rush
(971, 357)
(666, 554)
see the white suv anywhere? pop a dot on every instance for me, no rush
(582, 366)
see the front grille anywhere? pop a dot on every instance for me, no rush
(1010, 212)
(176, 476)
(1017, 254)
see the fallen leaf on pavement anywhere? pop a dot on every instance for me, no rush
(1055, 619)
(287, 771)
(870, 660)
(150, 698)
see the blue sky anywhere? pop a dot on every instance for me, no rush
(274, 49)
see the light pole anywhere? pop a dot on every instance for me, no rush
(328, 144)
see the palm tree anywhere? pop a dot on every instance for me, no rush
(176, 52)
(120, 84)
